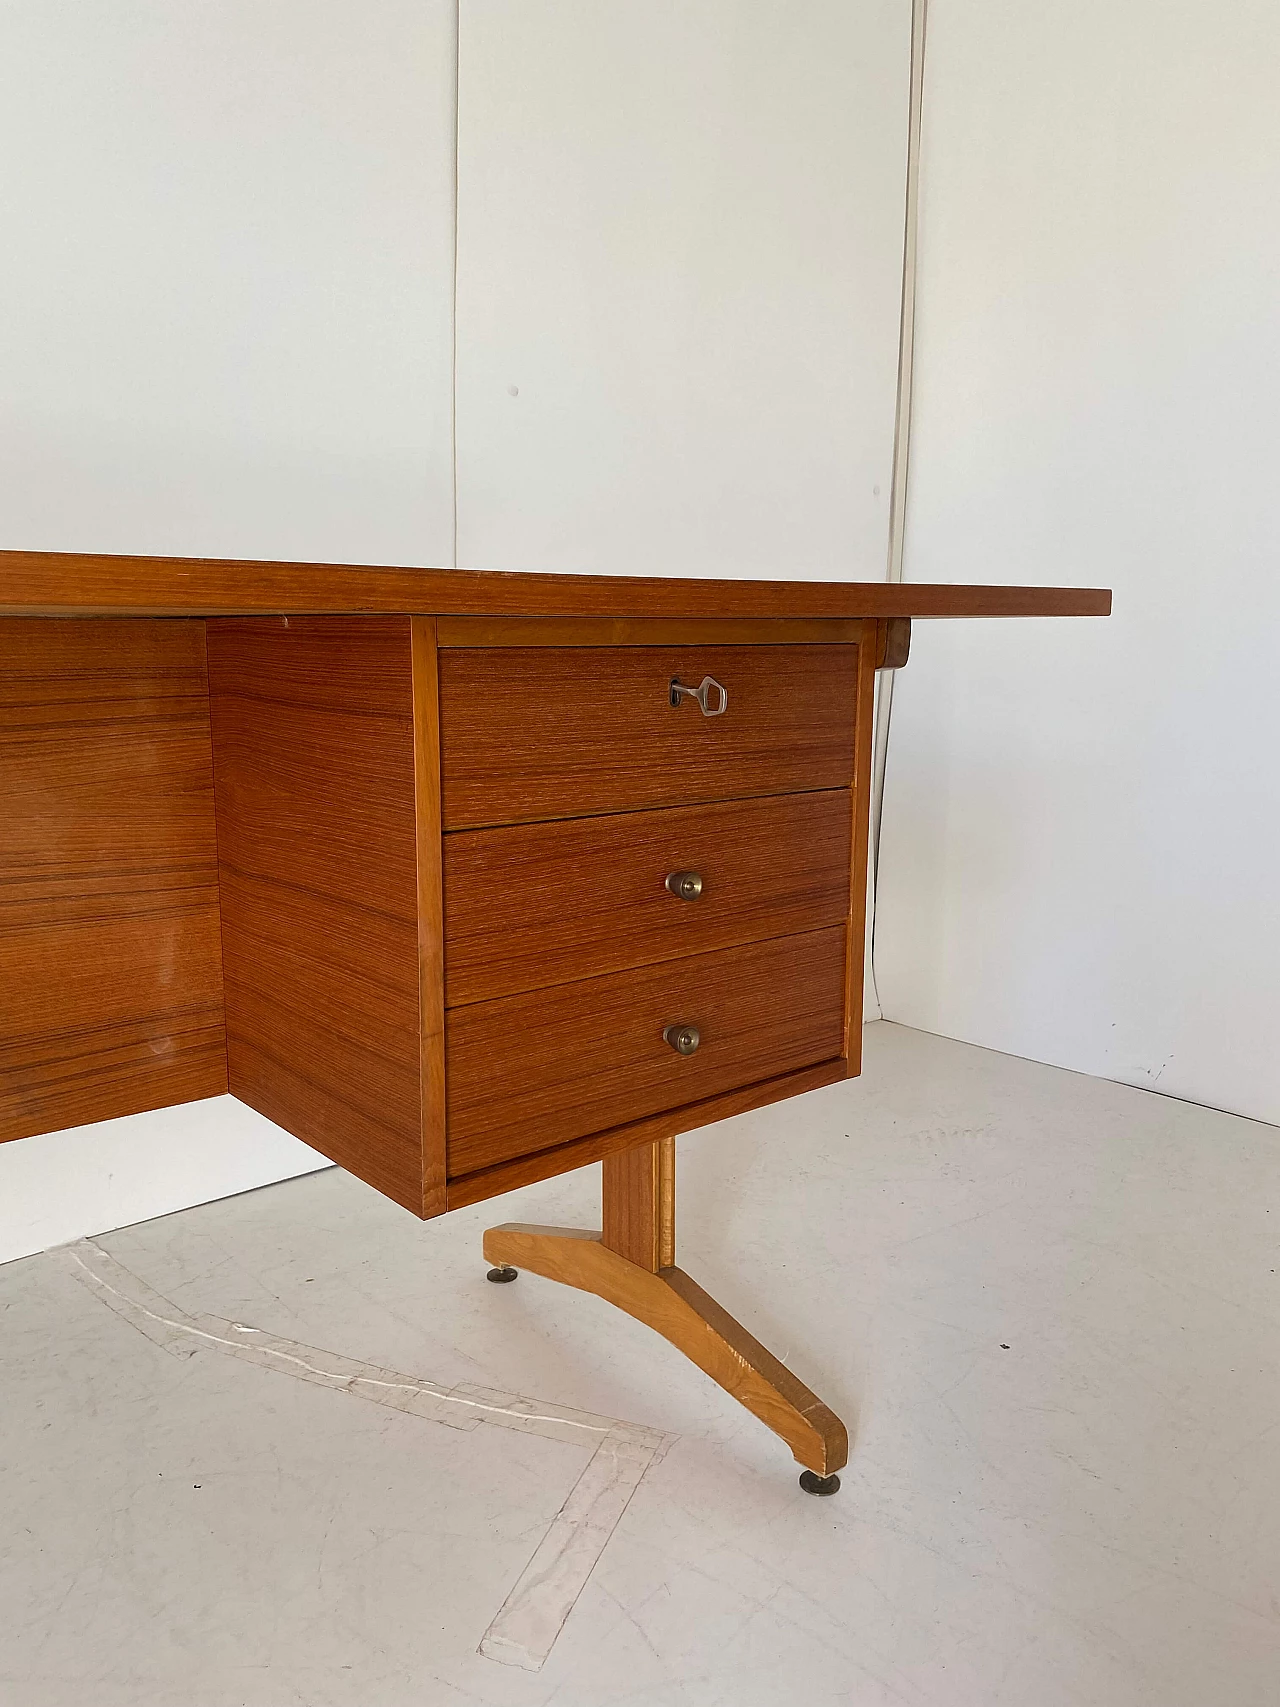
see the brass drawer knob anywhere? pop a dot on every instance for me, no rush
(679, 690)
(685, 885)
(684, 1039)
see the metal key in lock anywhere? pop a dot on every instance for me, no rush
(701, 695)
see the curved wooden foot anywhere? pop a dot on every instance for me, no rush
(676, 1307)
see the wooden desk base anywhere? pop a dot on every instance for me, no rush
(631, 1264)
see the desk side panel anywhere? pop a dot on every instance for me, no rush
(313, 737)
(110, 964)
(874, 648)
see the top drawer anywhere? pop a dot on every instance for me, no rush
(563, 732)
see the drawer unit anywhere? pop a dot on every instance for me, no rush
(450, 947)
(539, 1069)
(528, 733)
(531, 905)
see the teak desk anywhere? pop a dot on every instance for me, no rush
(464, 878)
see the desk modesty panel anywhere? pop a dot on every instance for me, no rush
(110, 954)
(461, 899)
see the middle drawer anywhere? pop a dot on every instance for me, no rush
(531, 905)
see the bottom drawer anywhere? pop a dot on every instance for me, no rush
(530, 1071)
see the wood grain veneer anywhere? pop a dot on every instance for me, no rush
(426, 768)
(565, 732)
(579, 1152)
(57, 583)
(638, 1204)
(529, 905)
(314, 759)
(542, 1068)
(110, 965)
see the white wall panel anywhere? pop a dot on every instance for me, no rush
(228, 276)
(69, 1185)
(680, 247)
(1082, 822)
(225, 329)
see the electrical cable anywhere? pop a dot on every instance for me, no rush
(901, 452)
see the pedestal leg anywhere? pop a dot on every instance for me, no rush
(631, 1263)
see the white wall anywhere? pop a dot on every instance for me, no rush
(679, 276)
(66, 1185)
(226, 328)
(227, 283)
(1082, 824)
(226, 307)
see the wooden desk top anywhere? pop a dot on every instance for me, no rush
(53, 583)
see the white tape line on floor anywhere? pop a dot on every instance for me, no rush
(533, 1614)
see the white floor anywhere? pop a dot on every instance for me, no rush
(1049, 1303)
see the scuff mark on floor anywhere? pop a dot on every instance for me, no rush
(524, 1630)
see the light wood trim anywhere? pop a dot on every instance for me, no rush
(57, 583)
(676, 1307)
(490, 631)
(426, 770)
(545, 1164)
(666, 1211)
(860, 804)
(639, 1204)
